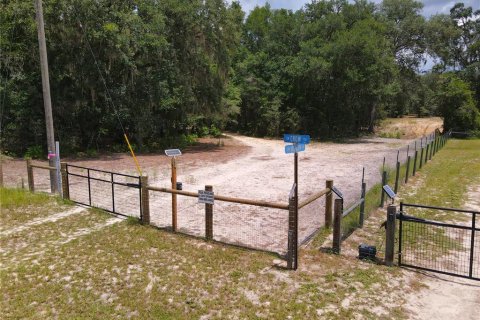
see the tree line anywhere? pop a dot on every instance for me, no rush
(169, 70)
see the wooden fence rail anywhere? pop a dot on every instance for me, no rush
(258, 203)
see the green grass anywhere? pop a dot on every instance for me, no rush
(128, 270)
(18, 206)
(20, 198)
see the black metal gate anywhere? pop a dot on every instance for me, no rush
(443, 247)
(114, 192)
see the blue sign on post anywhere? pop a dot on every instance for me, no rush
(293, 148)
(296, 138)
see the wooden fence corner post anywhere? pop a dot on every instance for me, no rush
(145, 216)
(208, 217)
(362, 205)
(328, 204)
(390, 235)
(31, 183)
(337, 225)
(65, 186)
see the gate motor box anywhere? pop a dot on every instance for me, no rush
(367, 252)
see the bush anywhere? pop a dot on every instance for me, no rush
(215, 132)
(34, 152)
(456, 104)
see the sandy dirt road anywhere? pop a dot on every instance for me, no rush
(265, 172)
(244, 167)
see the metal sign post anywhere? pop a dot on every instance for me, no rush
(57, 166)
(298, 145)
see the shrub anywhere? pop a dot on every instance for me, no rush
(34, 152)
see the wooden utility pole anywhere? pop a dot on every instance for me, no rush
(47, 101)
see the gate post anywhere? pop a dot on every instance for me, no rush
(145, 205)
(292, 234)
(362, 205)
(337, 225)
(31, 183)
(328, 204)
(390, 235)
(208, 217)
(65, 186)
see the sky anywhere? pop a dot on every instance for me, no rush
(430, 6)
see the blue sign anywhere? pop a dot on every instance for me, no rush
(294, 148)
(296, 138)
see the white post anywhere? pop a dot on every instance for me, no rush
(57, 166)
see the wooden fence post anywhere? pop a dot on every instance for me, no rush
(426, 154)
(337, 225)
(384, 182)
(397, 176)
(208, 217)
(408, 169)
(31, 182)
(65, 186)
(292, 236)
(328, 204)
(362, 205)
(145, 217)
(390, 235)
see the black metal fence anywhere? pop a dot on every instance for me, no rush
(114, 192)
(443, 247)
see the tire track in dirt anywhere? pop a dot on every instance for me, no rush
(38, 221)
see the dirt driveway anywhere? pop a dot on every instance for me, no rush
(253, 168)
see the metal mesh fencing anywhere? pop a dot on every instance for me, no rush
(109, 191)
(236, 224)
(310, 219)
(250, 226)
(443, 247)
(41, 178)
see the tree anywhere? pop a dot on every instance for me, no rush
(455, 104)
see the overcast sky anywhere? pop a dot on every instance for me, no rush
(430, 6)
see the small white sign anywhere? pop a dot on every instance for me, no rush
(173, 152)
(206, 197)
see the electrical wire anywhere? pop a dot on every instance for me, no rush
(107, 92)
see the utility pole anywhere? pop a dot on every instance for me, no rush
(47, 102)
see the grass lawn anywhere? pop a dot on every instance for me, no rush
(92, 266)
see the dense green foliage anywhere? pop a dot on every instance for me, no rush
(171, 69)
